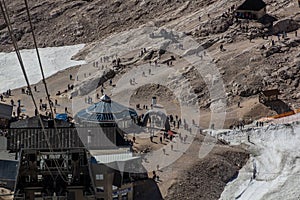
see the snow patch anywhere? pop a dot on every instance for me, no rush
(273, 170)
(54, 59)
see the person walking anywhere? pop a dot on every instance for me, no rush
(221, 47)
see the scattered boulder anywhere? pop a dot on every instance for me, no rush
(148, 55)
(285, 25)
(2, 24)
(272, 50)
(295, 83)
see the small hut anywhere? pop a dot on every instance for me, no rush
(251, 9)
(269, 96)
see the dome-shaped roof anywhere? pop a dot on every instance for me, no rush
(105, 110)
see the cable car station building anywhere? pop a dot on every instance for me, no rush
(89, 161)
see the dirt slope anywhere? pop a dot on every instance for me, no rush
(67, 22)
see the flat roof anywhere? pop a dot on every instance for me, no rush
(115, 158)
(113, 155)
(96, 152)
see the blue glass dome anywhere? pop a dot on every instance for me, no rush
(105, 111)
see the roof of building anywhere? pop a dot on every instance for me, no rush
(105, 110)
(271, 92)
(254, 5)
(109, 158)
(34, 122)
(5, 111)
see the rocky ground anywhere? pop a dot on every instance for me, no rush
(61, 22)
(206, 178)
(246, 67)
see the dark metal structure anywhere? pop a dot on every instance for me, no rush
(5, 115)
(60, 173)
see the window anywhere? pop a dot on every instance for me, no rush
(100, 189)
(99, 177)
